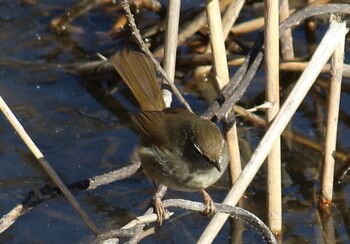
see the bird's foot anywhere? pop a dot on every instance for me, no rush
(209, 203)
(159, 208)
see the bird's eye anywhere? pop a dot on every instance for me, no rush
(197, 149)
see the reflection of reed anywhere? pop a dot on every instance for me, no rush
(303, 140)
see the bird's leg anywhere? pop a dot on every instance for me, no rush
(208, 202)
(158, 208)
(157, 202)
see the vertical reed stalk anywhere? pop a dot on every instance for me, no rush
(172, 27)
(287, 53)
(274, 202)
(287, 50)
(228, 19)
(217, 43)
(331, 126)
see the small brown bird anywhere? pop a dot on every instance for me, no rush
(178, 148)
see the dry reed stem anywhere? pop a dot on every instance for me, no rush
(251, 25)
(248, 26)
(171, 31)
(218, 49)
(331, 39)
(217, 42)
(249, 116)
(231, 15)
(300, 66)
(233, 147)
(45, 164)
(274, 198)
(228, 19)
(332, 125)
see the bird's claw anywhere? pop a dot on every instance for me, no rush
(209, 204)
(159, 208)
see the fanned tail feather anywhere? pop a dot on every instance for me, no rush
(138, 73)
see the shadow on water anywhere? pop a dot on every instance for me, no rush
(82, 128)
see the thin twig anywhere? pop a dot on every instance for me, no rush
(145, 49)
(46, 193)
(45, 164)
(308, 12)
(235, 212)
(95, 68)
(106, 67)
(139, 229)
(7, 220)
(238, 84)
(60, 23)
(231, 15)
(113, 176)
(248, 26)
(249, 116)
(300, 66)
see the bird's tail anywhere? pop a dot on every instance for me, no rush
(138, 73)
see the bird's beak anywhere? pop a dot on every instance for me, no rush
(216, 164)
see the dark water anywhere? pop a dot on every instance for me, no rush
(67, 117)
